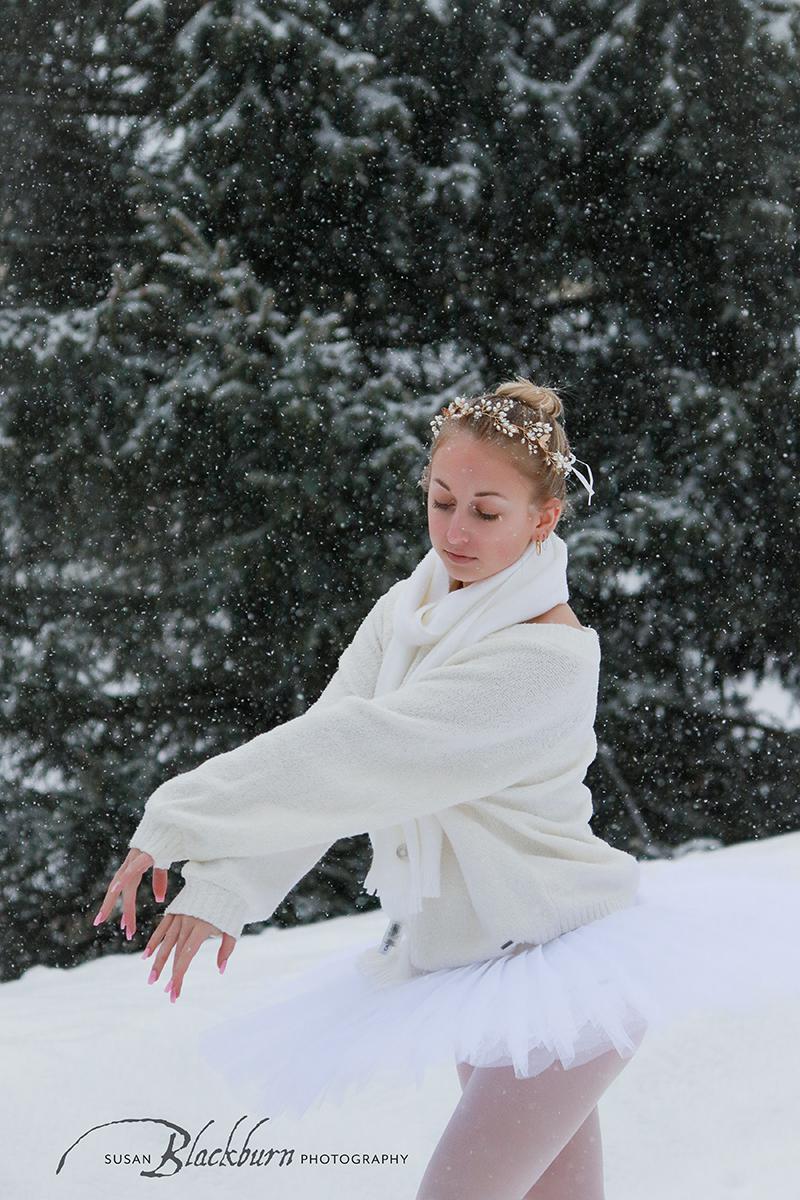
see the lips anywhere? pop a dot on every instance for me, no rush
(459, 557)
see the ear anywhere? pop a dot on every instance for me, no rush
(549, 515)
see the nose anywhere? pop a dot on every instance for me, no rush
(455, 536)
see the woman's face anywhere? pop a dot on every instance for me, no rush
(490, 532)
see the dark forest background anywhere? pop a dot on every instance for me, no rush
(247, 250)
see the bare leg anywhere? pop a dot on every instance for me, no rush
(577, 1170)
(505, 1132)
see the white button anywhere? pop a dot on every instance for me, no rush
(402, 850)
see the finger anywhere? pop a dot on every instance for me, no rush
(160, 880)
(135, 860)
(225, 951)
(131, 878)
(156, 937)
(165, 936)
(189, 942)
(112, 892)
(129, 906)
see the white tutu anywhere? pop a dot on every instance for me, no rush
(706, 932)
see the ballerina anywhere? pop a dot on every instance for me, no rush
(456, 732)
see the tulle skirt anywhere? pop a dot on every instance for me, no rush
(706, 932)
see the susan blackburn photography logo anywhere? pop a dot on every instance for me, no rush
(171, 1156)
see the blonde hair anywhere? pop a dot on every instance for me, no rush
(532, 402)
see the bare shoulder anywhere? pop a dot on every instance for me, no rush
(562, 614)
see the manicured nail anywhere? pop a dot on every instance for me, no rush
(169, 985)
(222, 968)
(152, 976)
(148, 950)
(128, 934)
(173, 996)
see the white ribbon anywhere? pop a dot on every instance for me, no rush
(587, 483)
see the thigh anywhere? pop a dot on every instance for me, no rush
(577, 1169)
(505, 1132)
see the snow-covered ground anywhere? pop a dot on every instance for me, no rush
(710, 1110)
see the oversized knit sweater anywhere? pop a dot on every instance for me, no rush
(495, 741)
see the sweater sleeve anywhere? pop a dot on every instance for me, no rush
(462, 731)
(233, 892)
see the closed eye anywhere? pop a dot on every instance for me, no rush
(483, 515)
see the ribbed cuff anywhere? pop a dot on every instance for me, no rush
(197, 898)
(162, 844)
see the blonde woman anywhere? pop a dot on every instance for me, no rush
(457, 732)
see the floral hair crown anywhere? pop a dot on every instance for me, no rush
(534, 434)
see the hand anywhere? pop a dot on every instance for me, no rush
(185, 935)
(126, 881)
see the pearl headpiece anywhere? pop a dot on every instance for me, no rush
(534, 434)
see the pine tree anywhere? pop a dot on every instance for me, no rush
(344, 220)
(65, 214)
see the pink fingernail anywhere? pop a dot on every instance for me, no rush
(152, 976)
(148, 950)
(97, 919)
(173, 996)
(169, 985)
(222, 968)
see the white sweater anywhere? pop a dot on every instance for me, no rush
(496, 741)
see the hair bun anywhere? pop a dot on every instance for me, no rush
(544, 401)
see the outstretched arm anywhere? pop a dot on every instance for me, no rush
(465, 729)
(233, 892)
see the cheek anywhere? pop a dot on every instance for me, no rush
(437, 522)
(507, 534)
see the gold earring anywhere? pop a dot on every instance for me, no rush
(538, 546)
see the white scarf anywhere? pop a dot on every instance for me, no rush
(430, 623)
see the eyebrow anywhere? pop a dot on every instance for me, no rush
(500, 494)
